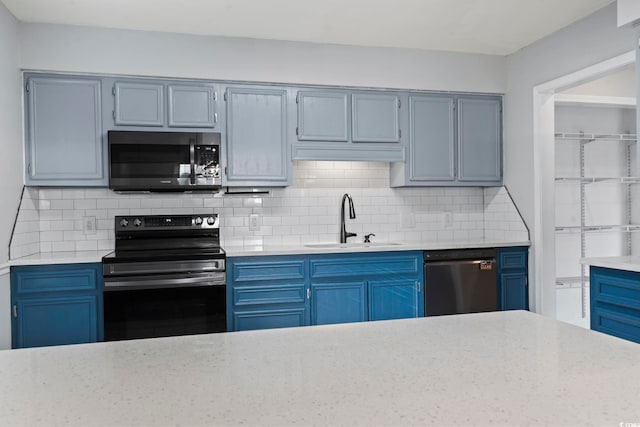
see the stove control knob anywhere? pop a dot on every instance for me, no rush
(137, 222)
(124, 222)
(198, 220)
(211, 220)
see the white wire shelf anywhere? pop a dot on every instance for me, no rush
(600, 179)
(589, 137)
(571, 282)
(628, 228)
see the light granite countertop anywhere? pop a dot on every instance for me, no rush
(96, 256)
(360, 247)
(628, 263)
(501, 368)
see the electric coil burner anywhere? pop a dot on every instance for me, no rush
(166, 277)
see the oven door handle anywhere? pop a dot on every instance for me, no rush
(164, 281)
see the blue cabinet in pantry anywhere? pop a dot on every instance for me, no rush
(282, 291)
(64, 134)
(56, 304)
(615, 302)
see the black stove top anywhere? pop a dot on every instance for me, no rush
(160, 238)
(159, 255)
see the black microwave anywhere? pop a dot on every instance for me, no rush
(164, 161)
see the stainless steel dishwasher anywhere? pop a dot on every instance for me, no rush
(460, 281)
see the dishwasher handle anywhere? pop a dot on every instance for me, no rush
(484, 264)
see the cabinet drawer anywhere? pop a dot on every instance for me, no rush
(512, 260)
(49, 279)
(267, 271)
(617, 324)
(273, 294)
(365, 266)
(268, 319)
(616, 291)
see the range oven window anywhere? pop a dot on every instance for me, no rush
(144, 313)
(144, 161)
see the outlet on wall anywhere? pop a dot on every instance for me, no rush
(254, 222)
(448, 219)
(89, 225)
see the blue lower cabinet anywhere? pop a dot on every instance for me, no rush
(513, 288)
(56, 304)
(58, 320)
(284, 291)
(615, 302)
(394, 299)
(269, 319)
(338, 303)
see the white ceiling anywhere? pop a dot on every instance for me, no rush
(496, 27)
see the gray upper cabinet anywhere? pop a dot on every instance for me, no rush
(257, 148)
(454, 140)
(192, 106)
(431, 138)
(375, 117)
(139, 104)
(480, 139)
(323, 116)
(348, 125)
(64, 144)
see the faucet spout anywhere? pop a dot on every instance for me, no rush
(352, 214)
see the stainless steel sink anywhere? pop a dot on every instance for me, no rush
(351, 245)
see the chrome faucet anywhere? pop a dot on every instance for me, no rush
(352, 214)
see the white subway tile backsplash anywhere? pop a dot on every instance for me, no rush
(306, 212)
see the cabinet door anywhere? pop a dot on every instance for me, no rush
(514, 292)
(343, 302)
(55, 321)
(323, 116)
(431, 138)
(375, 118)
(479, 139)
(192, 106)
(394, 299)
(269, 319)
(64, 132)
(139, 104)
(256, 137)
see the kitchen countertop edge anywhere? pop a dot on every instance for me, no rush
(308, 250)
(78, 257)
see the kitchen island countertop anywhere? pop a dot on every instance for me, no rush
(628, 263)
(501, 368)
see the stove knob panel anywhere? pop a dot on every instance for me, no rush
(198, 220)
(137, 222)
(124, 222)
(211, 220)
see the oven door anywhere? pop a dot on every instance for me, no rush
(162, 305)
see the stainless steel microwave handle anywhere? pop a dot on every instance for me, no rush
(164, 281)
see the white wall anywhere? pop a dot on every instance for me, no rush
(620, 84)
(86, 49)
(10, 127)
(628, 11)
(10, 154)
(587, 42)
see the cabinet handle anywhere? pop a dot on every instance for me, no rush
(308, 293)
(419, 287)
(215, 117)
(15, 311)
(29, 169)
